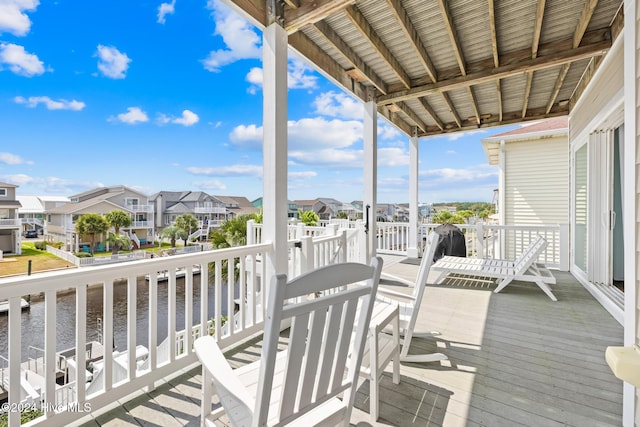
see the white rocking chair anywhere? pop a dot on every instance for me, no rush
(313, 381)
(410, 305)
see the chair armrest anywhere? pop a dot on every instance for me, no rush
(394, 294)
(228, 385)
(387, 276)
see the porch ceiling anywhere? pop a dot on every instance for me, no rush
(443, 66)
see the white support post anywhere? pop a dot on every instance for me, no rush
(412, 250)
(275, 148)
(630, 187)
(132, 322)
(370, 171)
(50, 350)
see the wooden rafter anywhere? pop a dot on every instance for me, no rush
(294, 4)
(555, 57)
(312, 12)
(412, 34)
(357, 62)
(494, 50)
(581, 28)
(534, 53)
(369, 33)
(432, 113)
(457, 51)
(412, 115)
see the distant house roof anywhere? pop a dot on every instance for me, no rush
(539, 130)
(30, 204)
(238, 205)
(6, 184)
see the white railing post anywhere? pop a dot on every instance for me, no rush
(564, 247)
(300, 231)
(480, 252)
(251, 232)
(362, 243)
(342, 254)
(332, 229)
(306, 254)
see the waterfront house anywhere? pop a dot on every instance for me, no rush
(208, 210)
(10, 224)
(237, 205)
(33, 210)
(60, 221)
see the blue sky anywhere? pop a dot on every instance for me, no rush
(168, 96)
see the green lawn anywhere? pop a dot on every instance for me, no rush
(40, 261)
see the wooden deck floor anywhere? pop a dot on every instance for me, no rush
(515, 358)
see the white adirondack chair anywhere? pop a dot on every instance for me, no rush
(313, 381)
(410, 305)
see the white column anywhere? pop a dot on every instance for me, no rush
(412, 250)
(370, 171)
(274, 149)
(630, 195)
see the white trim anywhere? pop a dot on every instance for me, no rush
(370, 138)
(630, 189)
(414, 146)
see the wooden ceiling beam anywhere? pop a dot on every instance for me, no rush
(581, 28)
(412, 115)
(513, 117)
(412, 34)
(457, 51)
(509, 68)
(534, 53)
(494, 50)
(312, 12)
(359, 21)
(294, 4)
(452, 108)
(348, 53)
(431, 112)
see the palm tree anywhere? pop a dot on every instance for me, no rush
(92, 224)
(118, 219)
(188, 223)
(173, 233)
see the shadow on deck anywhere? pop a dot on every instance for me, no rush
(515, 358)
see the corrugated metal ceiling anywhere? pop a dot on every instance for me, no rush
(541, 58)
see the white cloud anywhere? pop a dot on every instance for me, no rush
(304, 134)
(12, 17)
(165, 9)
(298, 77)
(111, 62)
(233, 170)
(13, 159)
(338, 105)
(50, 184)
(132, 116)
(392, 156)
(457, 135)
(329, 157)
(470, 174)
(302, 175)
(241, 39)
(60, 104)
(386, 131)
(188, 118)
(212, 184)
(451, 152)
(19, 61)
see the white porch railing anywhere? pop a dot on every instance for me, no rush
(10, 223)
(248, 283)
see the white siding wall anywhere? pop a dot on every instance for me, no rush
(537, 181)
(601, 91)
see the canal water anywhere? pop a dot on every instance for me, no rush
(33, 318)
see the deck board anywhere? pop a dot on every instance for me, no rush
(515, 358)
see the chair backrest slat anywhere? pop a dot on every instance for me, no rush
(530, 255)
(320, 343)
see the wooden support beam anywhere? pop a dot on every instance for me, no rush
(494, 50)
(452, 108)
(431, 112)
(453, 35)
(414, 38)
(348, 53)
(368, 32)
(581, 28)
(412, 115)
(310, 13)
(555, 58)
(457, 50)
(492, 121)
